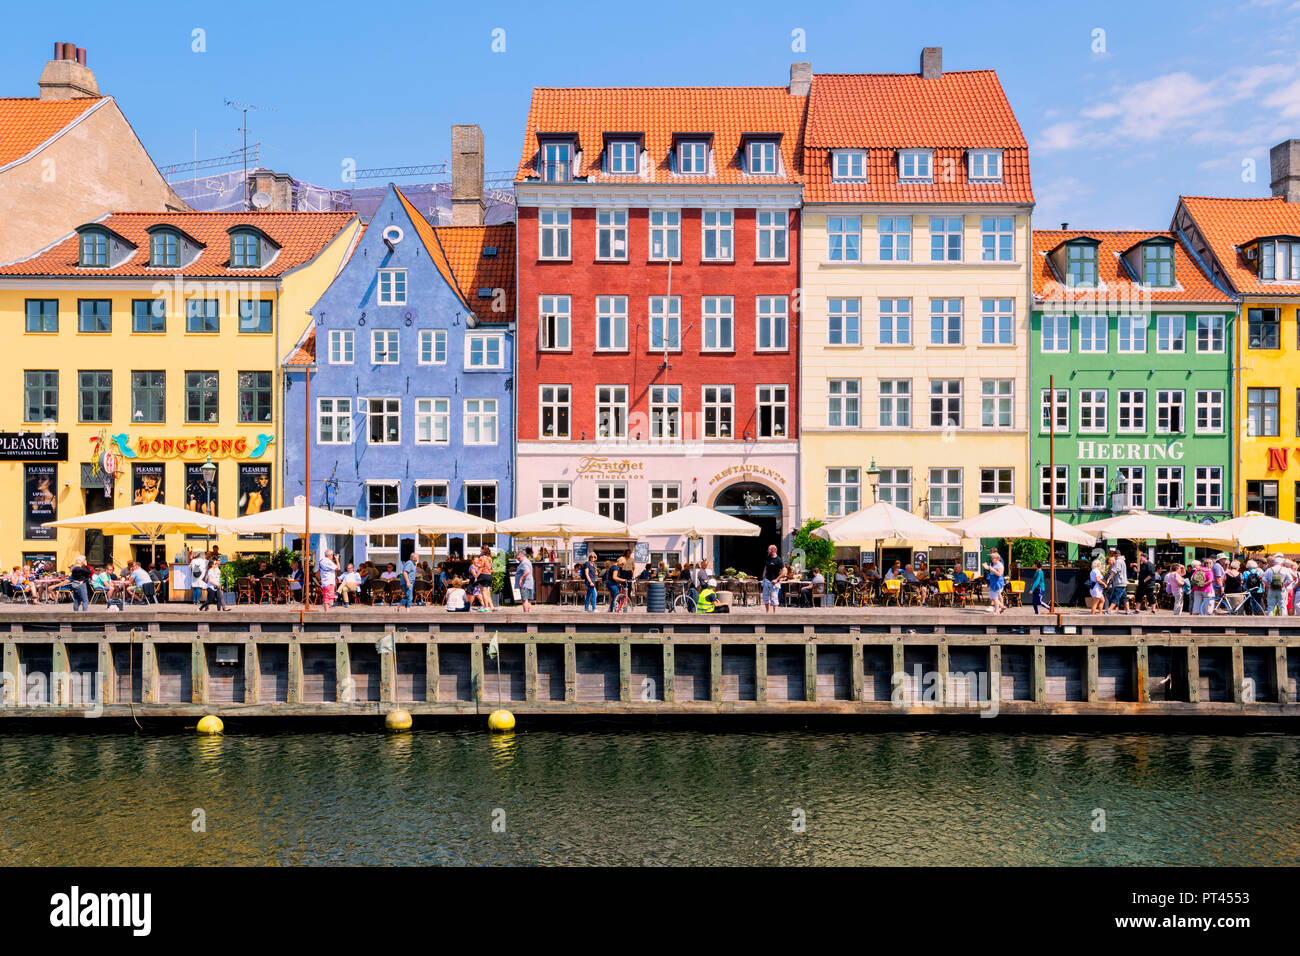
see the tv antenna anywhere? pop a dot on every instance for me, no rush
(246, 107)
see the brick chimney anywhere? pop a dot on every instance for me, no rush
(1284, 164)
(800, 79)
(66, 76)
(932, 63)
(277, 187)
(467, 204)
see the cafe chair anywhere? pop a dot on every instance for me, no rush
(423, 594)
(1017, 590)
(244, 591)
(266, 589)
(947, 594)
(892, 592)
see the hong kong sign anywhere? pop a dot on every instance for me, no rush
(198, 447)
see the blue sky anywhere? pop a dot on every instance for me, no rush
(1169, 99)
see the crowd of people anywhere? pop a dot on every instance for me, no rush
(1224, 583)
(41, 583)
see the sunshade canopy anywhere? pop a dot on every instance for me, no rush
(565, 521)
(293, 520)
(885, 522)
(1141, 526)
(153, 520)
(1013, 521)
(695, 521)
(429, 519)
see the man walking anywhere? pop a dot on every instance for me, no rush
(772, 569)
(408, 580)
(524, 579)
(1277, 580)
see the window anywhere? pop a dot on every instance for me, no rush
(553, 231)
(148, 315)
(1263, 328)
(1209, 333)
(1169, 488)
(95, 396)
(1132, 333)
(1169, 411)
(1263, 411)
(554, 323)
(483, 351)
(611, 411)
(717, 311)
(611, 322)
(43, 315)
(995, 402)
(771, 230)
(40, 396)
(1062, 410)
(997, 238)
(432, 493)
(555, 494)
(555, 402)
(665, 234)
(1092, 487)
(1261, 496)
(844, 321)
(94, 250)
(945, 403)
(385, 420)
(1053, 493)
(384, 347)
(843, 402)
(915, 166)
(772, 323)
(432, 421)
(945, 494)
(845, 238)
(611, 500)
(245, 251)
(1158, 264)
(1080, 265)
(1131, 488)
(895, 238)
(895, 403)
(201, 397)
(762, 157)
(718, 232)
(719, 406)
(1207, 488)
(254, 397)
(665, 412)
(1093, 330)
(945, 321)
(665, 323)
(1055, 333)
(94, 315)
(984, 165)
(611, 234)
(1131, 411)
(997, 487)
(623, 155)
(895, 487)
(480, 421)
(1092, 410)
(1209, 411)
(163, 249)
(334, 421)
(255, 316)
(381, 500)
(945, 238)
(895, 327)
(997, 322)
(1171, 333)
(665, 496)
(1279, 260)
(557, 159)
(202, 315)
(848, 165)
(843, 491)
(693, 157)
(772, 405)
(149, 397)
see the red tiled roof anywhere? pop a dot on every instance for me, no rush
(305, 351)
(28, 121)
(300, 236)
(657, 113)
(885, 112)
(1229, 224)
(1192, 284)
(464, 247)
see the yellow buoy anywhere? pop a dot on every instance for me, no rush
(397, 721)
(500, 721)
(210, 724)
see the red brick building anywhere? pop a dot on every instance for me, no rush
(658, 238)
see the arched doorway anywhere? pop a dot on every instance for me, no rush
(758, 504)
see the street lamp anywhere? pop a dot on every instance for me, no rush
(209, 470)
(873, 476)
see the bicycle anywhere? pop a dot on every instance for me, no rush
(621, 602)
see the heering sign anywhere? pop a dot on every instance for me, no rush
(1130, 451)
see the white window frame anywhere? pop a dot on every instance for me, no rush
(1091, 407)
(610, 495)
(611, 323)
(715, 320)
(895, 487)
(843, 488)
(772, 322)
(899, 323)
(555, 398)
(392, 287)
(993, 312)
(916, 166)
(554, 494)
(894, 400)
(390, 349)
(615, 402)
(720, 400)
(844, 400)
(947, 322)
(719, 227)
(1133, 479)
(996, 497)
(772, 235)
(341, 347)
(472, 339)
(665, 235)
(844, 238)
(1207, 482)
(950, 508)
(1136, 409)
(1089, 321)
(1168, 476)
(1059, 489)
(663, 494)
(1092, 488)
(1045, 410)
(1056, 320)
(947, 394)
(984, 165)
(992, 234)
(1167, 400)
(555, 323)
(1211, 400)
(665, 315)
(385, 413)
(775, 400)
(849, 166)
(611, 232)
(623, 157)
(1166, 324)
(338, 414)
(999, 394)
(693, 157)
(554, 229)
(1217, 332)
(431, 412)
(762, 158)
(1133, 339)
(432, 342)
(480, 412)
(894, 239)
(665, 412)
(942, 228)
(843, 322)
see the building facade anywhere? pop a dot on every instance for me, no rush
(154, 337)
(1137, 341)
(915, 310)
(659, 244)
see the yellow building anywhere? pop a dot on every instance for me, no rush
(914, 297)
(154, 337)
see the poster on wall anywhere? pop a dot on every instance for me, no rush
(254, 489)
(971, 561)
(200, 494)
(39, 503)
(147, 484)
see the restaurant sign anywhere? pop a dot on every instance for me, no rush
(749, 471)
(592, 466)
(33, 446)
(198, 447)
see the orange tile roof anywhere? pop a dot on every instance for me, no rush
(885, 112)
(1192, 284)
(28, 121)
(433, 246)
(300, 236)
(1228, 224)
(724, 112)
(304, 353)
(464, 247)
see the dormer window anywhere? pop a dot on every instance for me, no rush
(1158, 264)
(761, 157)
(916, 166)
(622, 157)
(1081, 265)
(849, 165)
(693, 157)
(1279, 259)
(245, 250)
(164, 249)
(557, 161)
(94, 249)
(984, 165)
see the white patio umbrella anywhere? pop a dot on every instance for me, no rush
(885, 522)
(1251, 530)
(429, 519)
(1141, 526)
(564, 522)
(1013, 522)
(152, 520)
(292, 519)
(694, 522)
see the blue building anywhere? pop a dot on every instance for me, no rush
(411, 358)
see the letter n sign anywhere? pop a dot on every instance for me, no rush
(1277, 459)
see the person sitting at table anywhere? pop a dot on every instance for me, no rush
(349, 585)
(389, 573)
(807, 588)
(457, 599)
(295, 581)
(707, 602)
(895, 571)
(141, 584)
(21, 581)
(117, 584)
(645, 574)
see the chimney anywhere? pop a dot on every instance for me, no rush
(466, 176)
(800, 79)
(1284, 164)
(1064, 226)
(66, 76)
(932, 63)
(269, 191)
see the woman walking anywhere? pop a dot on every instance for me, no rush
(996, 577)
(481, 569)
(1174, 586)
(1096, 588)
(1037, 587)
(79, 579)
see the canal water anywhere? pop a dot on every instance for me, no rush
(600, 794)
